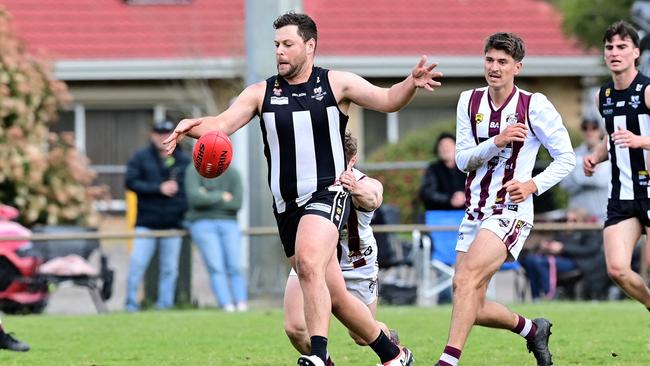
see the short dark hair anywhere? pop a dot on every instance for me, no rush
(349, 145)
(442, 136)
(623, 29)
(306, 25)
(510, 43)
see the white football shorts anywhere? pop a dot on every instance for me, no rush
(512, 231)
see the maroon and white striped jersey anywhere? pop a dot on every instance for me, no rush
(490, 167)
(357, 240)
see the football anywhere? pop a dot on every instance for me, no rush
(212, 154)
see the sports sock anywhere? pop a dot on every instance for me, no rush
(384, 348)
(450, 356)
(646, 308)
(525, 328)
(319, 347)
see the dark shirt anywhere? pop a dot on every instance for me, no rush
(439, 184)
(145, 171)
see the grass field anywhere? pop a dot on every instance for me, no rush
(584, 334)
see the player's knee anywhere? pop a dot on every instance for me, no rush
(464, 281)
(306, 270)
(617, 273)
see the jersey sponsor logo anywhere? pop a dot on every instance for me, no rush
(478, 118)
(608, 111)
(608, 102)
(643, 178)
(280, 100)
(504, 222)
(319, 93)
(317, 206)
(620, 103)
(494, 124)
(512, 207)
(638, 87)
(512, 119)
(634, 101)
(298, 94)
(276, 88)
(608, 92)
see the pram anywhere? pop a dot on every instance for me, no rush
(29, 271)
(22, 290)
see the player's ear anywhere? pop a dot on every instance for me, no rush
(311, 46)
(518, 66)
(353, 160)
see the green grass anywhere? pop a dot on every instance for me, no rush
(584, 334)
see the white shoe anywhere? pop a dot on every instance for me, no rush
(310, 361)
(242, 306)
(405, 358)
(230, 308)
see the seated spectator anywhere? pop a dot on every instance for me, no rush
(564, 252)
(443, 184)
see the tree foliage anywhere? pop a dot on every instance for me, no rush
(41, 173)
(588, 19)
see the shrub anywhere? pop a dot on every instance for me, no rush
(41, 174)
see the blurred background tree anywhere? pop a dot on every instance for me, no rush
(588, 19)
(41, 173)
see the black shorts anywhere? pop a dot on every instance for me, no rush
(333, 205)
(619, 210)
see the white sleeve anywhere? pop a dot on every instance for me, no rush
(469, 155)
(547, 125)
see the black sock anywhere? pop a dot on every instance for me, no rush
(384, 348)
(646, 308)
(319, 347)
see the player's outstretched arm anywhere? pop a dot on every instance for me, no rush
(243, 109)
(353, 87)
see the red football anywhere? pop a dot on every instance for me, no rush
(212, 154)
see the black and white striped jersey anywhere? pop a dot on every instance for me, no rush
(626, 109)
(303, 131)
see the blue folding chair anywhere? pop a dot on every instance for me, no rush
(443, 253)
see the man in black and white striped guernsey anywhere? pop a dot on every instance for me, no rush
(303, 118)
(624, 104)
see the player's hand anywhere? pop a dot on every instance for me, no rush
(516, 132)
(226, 196)
(625, 139)
(519, 191)
(589, 163)
(179, 132)
(348, 180)
(423, 75)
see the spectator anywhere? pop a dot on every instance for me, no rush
(157, 180)
(443, 185)
(212, 216)
(565, 252)
(589, 193)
